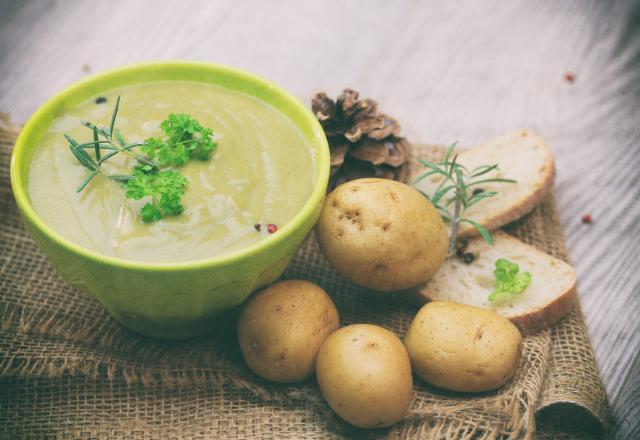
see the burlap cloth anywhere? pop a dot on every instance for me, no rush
(67, 370)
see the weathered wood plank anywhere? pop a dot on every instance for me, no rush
(448, 72)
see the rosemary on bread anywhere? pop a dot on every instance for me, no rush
(458, 189)
(520, 154)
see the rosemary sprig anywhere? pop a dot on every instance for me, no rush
(94, 164)
(457, 188)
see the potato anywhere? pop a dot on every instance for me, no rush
(381, 234)
(282, 328)
(462, 348)
(364, 374)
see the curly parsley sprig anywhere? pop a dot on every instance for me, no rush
(509, 281)
(166, 189)
(185, 138)
(456, 188)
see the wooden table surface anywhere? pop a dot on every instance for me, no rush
(449, 73)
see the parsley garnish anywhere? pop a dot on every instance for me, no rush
(185, 138)
(166, 189)
(509, 281)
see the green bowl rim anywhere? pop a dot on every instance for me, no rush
(316, 197)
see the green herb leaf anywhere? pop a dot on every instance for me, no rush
(104, 131)
(164, 153)
(183, 128)
(483, 169)
(480, 197)
(481, 230)
(186, 139)
(80, 154)
(120, 177)
(150, 213)
(113, 116)
(87, 124)
(509, 281)
(165, 188)
(423, 176)
(86, 181)
(120, 138)
(96, 143)
(104, 145)
(440, 193)
(449, 151)
(434, 167)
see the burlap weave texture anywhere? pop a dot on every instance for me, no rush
(69, 371)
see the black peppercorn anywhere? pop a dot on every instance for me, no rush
(257, 226)
(101, 100)
(468, 257)
(477, 191)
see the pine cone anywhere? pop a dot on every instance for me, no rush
(363, 142)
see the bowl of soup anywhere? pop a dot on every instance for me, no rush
(244, 213)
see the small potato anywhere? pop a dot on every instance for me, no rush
(282, 328)
(462, 348)
(381, 234)
(364, 374)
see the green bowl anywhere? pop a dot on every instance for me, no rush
(166, 300)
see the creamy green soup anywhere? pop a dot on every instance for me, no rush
(262, 172)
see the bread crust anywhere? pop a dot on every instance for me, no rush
(523, 206)
(532, 321)
(547, 315)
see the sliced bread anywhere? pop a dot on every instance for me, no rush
(522, 156)
(549, 297)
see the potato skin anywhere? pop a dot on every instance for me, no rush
(281, 329)
(462, 348)
(382, 234)
(364, 374)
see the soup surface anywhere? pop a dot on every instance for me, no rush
(261, 172)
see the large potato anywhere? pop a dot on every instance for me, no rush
(364, 374)
(382, 234)
(282, 328)
(462, 348)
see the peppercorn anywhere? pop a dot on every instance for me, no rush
(101, 100)
(271, 228)
(569, 77)
(257, 226)
(587, 218)
(468, 257)
(461, 246)
(477, 191)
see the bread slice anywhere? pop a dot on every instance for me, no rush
(522, 156)
(550, 296)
